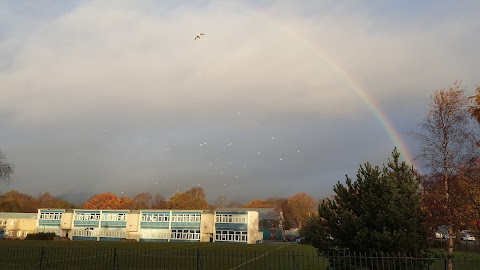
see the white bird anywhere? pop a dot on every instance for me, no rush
(198, 36)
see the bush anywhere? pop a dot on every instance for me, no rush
(40, 236)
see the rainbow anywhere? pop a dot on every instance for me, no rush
(357, 88)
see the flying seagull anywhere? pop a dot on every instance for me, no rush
(199, 36)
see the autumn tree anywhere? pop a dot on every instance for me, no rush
(159, 202)
(472, 172)
(258, 204)
(219, 202)
(470, 187)
(127, 202)
(103, 201)
(193, 198)
(234, 203)
(6, 169)
(434, 201)
(380, 211)
(474, 109)
(14, 201)
(447, 142)
(281, 205)
(143, 201)
(47, 200)
(301, 207)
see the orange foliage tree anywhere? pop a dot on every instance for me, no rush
(193, 198)
(127, 202)
(103, 201)
(301, 207)
(14, 201)
(47, 200)
(258, 204)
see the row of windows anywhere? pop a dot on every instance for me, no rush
(231, 236)
(105, 216)
(114, 216)
(113, 233)
(50, 216)
(154, 234)
(231, 218)
(155, 217)
(148, 217)
(85, 232)
(87, 216)
(54, 230)
(186, 218)
(18, 234)
(185, 234)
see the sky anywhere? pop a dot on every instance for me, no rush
(277, 97)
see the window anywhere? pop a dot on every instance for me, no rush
(231, 218)
(85, 232)
(231, 236)
(154, 233)
(153, 217)
(185, 234)
(19, 234)
(47, 229)
(113, 233)
(50, 216)
(192, 218)
(25, 234)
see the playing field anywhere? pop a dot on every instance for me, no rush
(133, 255)
(18, 254)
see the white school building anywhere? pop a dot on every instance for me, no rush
(228, 226)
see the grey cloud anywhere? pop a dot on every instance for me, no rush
(119, 97)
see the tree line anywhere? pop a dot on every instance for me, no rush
(295, 209)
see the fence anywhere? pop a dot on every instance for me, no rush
(460, 245)
(44, 258)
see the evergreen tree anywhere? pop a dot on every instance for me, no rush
(379, 212)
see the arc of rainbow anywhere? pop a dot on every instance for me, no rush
(372, 106)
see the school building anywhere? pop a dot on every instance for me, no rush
(232, 226)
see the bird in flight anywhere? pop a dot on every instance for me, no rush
(199, 36)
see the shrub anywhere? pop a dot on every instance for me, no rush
(40, 236)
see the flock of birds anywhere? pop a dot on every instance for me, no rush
(222, 165)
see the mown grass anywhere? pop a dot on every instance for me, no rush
(134, 255)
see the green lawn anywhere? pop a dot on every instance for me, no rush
(18, 254)
(133, 255)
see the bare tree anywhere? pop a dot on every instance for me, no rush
(6, 169)
(447, 141)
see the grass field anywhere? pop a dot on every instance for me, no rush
(133, 255)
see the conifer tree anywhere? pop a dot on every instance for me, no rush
(380, 211)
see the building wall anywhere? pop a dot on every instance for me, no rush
(19, 228)
(154, 226)
(151, 225)
(231, 226)
(207, 227)
(50, 221)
